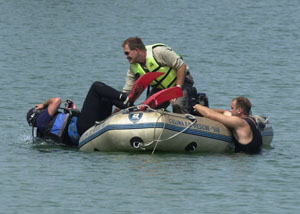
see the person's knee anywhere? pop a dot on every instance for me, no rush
(97, 84)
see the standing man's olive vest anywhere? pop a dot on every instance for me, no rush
(165, 81)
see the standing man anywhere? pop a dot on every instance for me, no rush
(247, 137)
(160, 58)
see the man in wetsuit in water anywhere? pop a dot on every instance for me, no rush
(247, 137)
(66, 127)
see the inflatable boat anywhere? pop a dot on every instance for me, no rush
(132, 130)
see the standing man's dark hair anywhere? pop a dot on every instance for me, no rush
(134, 42)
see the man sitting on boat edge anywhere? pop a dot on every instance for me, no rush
(247, 137)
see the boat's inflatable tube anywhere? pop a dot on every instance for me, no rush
(152, 130)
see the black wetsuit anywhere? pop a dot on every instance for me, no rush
(255, 145)
(98, 105)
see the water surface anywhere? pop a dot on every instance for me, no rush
(233, 48)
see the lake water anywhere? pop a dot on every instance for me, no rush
(59, 47)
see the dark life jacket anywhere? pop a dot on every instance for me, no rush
(57, 129)
(254, 146)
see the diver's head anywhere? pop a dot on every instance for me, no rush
(32, 116)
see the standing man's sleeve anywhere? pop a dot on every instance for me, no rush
(130, 80)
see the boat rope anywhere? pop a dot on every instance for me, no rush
(189, 116)
(162, 113)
